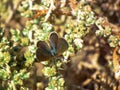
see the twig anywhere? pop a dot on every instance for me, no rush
(12, 83)
(63, 2)
(30, 4)
(13, 11)
(52, 7)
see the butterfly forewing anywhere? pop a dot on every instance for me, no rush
(43, 51)
(61, 46)
(43, 55)
(43, 44)
(53, 41)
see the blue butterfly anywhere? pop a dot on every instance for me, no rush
(56, 47)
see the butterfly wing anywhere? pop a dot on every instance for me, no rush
(62, 46)
(43, 51)
(53, 42)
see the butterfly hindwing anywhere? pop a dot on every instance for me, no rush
(61, 46)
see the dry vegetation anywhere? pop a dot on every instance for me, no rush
(94, 65)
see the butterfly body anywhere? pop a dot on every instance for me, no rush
(55, 47)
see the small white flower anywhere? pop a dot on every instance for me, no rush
(78, 42)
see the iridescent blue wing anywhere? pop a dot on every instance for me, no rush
(53, 42)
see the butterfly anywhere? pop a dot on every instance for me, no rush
(55, 47)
